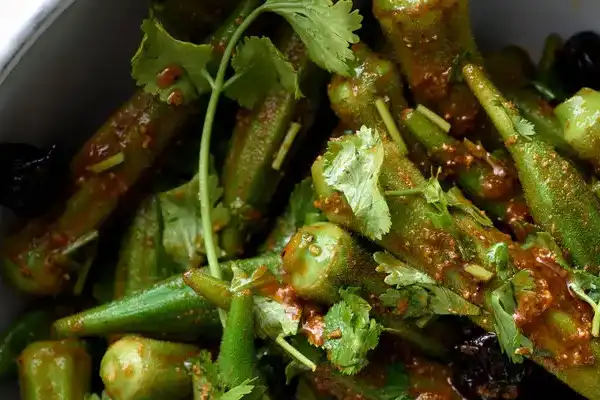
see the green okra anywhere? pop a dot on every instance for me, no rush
(322, 258)
(435, 251)
(180, 311)
(539, 112)
(430, 39)
(142, 259)
(237, 354)
(373, 96)
(55, 370)
(559, 199)
(35, 260)
(30, 327)
(259, 135)
(489, 181)
(137, 368)
(578, 117)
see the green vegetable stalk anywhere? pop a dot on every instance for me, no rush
(136, 368)
(489, 181)
(55, 370)
(142, 259)
(322, 258)
(539, 112)
(373, 96)
(579, 119)
(36, 260)
(180, 311)
(559, 199)
(30, 327)
(431, 38)
(445, 238)
(262, 142)
(237, 354)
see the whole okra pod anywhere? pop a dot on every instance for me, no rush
(262, 142)
(137, 368)
(55, 370)
(36, 259)
(430, 39)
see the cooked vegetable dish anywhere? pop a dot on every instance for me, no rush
(316, 199)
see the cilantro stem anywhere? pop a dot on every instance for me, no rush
(596, 307)
(208, 78)
(295, 353)
(204, 161)
(390, 125)
(79, 243)
(285, 145)
(433, 117)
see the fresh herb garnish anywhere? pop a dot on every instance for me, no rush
(416, 294)
(352, 165)
(504, 304)
(350, 333)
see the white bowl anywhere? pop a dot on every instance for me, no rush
(69, 68)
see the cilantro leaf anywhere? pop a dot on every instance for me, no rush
(208, 383)
(504, 305)
(522, 126)
(410, 302)
(325, 27)
(498, 256)
(260, 67)
(544, 240)
(274, 319)
(183, 237)
(416, 294)
(350, 333)
(587, 287)
(165, 66)
(457, 200)
(399, 273)
(352, 165)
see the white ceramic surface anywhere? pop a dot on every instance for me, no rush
(70, 69)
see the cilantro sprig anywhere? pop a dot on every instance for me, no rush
(416, 294)
(350, 333)
(504, 304)
(352, 166)
(178, 71)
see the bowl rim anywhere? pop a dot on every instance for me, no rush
(30, 32)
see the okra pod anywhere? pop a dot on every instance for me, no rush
(180, 310)
(579, 119)
(491, 182)
(373, 96)
(142, 259)
(137, 368)
(35, 260)
(237, 355)
(257, 139)
(322, 258)
(431, 38)
(436, 251)
(55, 370)
(548, 179)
